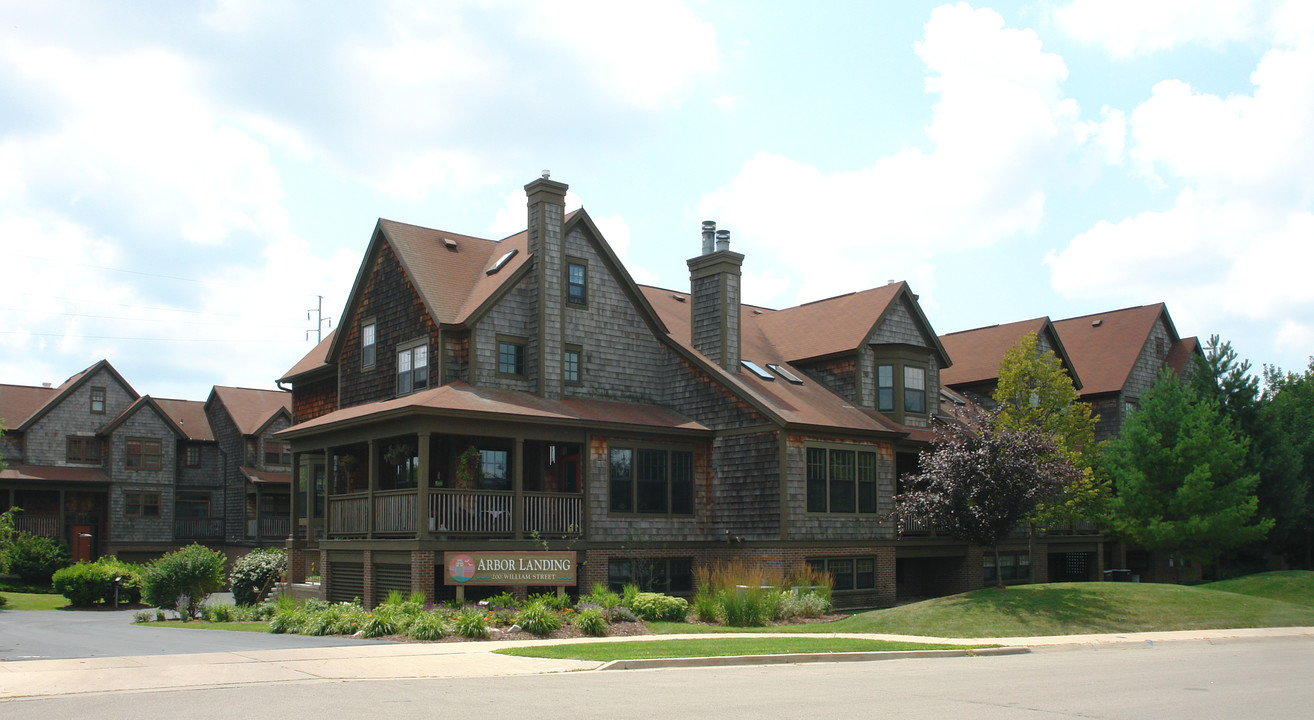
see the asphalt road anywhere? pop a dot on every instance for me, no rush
(58, 634)
(1199, 680)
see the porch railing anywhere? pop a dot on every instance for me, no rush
(349, 515)
(203, 528)
(269, 527)
(472, 512)
(552, 514)
(394, 512)
(43, 525)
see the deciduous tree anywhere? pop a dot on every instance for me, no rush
(978, 483)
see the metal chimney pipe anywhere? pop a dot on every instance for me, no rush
(709, 234)
(722, 240)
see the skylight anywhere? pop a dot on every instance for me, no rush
(501, 261)
(782, 372)
(753, 368)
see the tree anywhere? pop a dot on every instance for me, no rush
(1284, 446)
(1220, 377)
(1179, 476)
(1035, 392)
(977, 483)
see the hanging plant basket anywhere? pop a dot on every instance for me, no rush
(397, 454)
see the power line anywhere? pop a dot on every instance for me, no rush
(159, 320)
(130, 272)
(128, 307)
(145, 339)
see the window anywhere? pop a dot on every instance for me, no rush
(651, 481)
(570, 364)
(493, 466)
(841, 481)
(1012, 567)
(854, 573)
(885, 388)
(82, 450)
(511, 357)
(914, 389)
(98, 400)
(193, 456)
(189, 505)
(142, 455)
(412, 369)
(663, 575)
(367, 346)
(141, 504)
(577, 282)
(278, 453)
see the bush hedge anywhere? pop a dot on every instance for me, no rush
(190, 574)
(255, 572)
(651, 606)
(35, 558)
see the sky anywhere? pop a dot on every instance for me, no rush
(184, 185)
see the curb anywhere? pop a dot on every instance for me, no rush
(787, 659)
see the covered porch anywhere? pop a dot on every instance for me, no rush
(68, 504)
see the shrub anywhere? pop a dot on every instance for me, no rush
(394, 597)
(748, 607)
(287, 621)
(470, 624)
(143, 616)
(35, 558)
(255, 572)
(345, 618)
(813, 604)
(602, 596)
(84, 584)
(429, 626)
(3, 600)
(620, 613)
(383, 621)
(591, 622)
(552, 600)
(656, 606)
(219, 612)
(503, 600)
(705, 606)
(628, 593)
(538, 618)
(130, 579)
(317, 624)
(192, 572)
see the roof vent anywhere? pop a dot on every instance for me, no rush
(709, 236)
(547, 174)
(722, 240)
(450, 243)
(501, 261)
(1097, 323)
(45, 385)
(678, 298)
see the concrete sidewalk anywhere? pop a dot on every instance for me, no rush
(38, 678)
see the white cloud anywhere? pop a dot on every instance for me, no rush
(1001, 129)
(1129, 28)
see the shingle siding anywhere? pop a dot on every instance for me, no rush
(46, 442)
(144, 424)
(806, 526)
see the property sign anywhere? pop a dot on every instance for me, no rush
(509, 568)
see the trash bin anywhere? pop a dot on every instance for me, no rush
(1119, 575)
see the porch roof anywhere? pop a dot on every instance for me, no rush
(53, 473)
(263, 477)
(464, 400)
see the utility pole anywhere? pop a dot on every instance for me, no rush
(322, 322)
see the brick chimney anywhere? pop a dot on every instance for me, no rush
(714, 298)
(547, 209)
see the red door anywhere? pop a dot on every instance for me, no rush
(82, 543)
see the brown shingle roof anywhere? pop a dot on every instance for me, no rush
(250, 408)
(1104, 346)
(53, 473)
(1181, 353)
(316, 359)
(825, 327)
(264, 476)
(189, 416)
(71, 385)
(459, 398)
(977, 353)
(18, 402)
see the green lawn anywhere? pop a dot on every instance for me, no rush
(32, 601)
(1294, 586)
(261, 627)
(1268, 600)
(716, 647)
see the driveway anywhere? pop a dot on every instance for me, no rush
(60, 634)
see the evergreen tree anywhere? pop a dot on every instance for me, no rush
(1035, 392)
(1179, 474)
(1284, 442)
(977, 484)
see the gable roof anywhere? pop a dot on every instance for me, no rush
(1104, 346)
(1181, 353)
(251, 409)
(808, 404)
(145, 401)
(977, 353)
(189, 416)
(18, 402)
(71, 386)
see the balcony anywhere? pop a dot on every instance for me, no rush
(268, 528)
(199, 528)
(43, 525)
(460, 513)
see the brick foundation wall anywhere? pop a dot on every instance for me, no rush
(422, 573)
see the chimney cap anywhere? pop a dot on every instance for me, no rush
(709, 224)
(547, 174)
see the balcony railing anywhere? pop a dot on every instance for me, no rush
(43, 525)
(476, 513)
(206, 528)
(275, 528)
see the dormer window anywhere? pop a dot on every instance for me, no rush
(914, 389)
(885, 388)
(413, 368)
(98, 400)
(901, 382)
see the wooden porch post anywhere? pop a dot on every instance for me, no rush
(373, 472)
(259, 526)
(292, 510)
(64, 534)
(422, 530)
(518, 488)
(328, 479)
